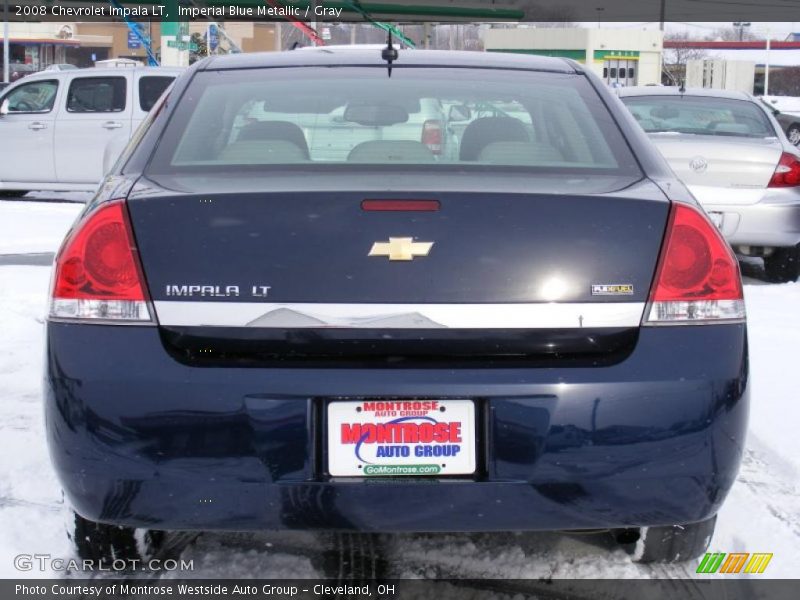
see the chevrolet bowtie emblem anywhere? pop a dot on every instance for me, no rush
(400, 248)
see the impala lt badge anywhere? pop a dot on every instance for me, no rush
(400, 248)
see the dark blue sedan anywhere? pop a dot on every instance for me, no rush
(451, 292)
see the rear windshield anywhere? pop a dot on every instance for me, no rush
(351, 117)
(700, 115)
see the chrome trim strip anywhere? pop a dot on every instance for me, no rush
(399, 316)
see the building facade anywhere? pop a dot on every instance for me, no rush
(36, 46)
(622, 57)
(776, 57)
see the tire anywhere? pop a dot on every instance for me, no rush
(671, 543)
(793, 133)
(107, 543)
(12, 193)
(783, 265)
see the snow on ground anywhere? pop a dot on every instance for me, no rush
(27, 227)
(30, 500)
(762, 513)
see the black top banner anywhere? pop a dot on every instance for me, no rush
(409, 11)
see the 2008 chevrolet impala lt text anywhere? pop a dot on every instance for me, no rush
(434, 291)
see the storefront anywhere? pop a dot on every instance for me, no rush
(622, 57)
(30, 55)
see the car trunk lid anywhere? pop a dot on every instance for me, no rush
(315, 273)
(721, 170)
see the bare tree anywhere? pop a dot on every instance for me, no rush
(555, 24)
(734, 34)
(675, 59)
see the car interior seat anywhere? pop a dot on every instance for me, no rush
(487, 130)
(275, 131)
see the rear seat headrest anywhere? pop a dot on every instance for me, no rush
(486, 130)
(275, 130)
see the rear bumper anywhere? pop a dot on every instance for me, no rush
(139, 439)
(773, 222)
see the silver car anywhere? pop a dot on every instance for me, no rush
(735, 158)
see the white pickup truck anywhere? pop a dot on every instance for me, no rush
(62, 130)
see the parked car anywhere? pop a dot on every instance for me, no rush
(734, 157)
(542, 332)
(332, 136)
(62, 130)
(20, 70)
(786, 110)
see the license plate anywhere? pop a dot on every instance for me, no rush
(401, 438)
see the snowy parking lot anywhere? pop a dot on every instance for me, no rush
(762, 513)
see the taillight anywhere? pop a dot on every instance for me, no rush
(698, 278)
(787, 173)
(97, 273)
(432, 135)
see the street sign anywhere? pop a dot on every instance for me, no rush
(191, 46)
(134, 43)
(213, 37)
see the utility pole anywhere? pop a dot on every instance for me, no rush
(766, 65)
(314, 20)
(741, 25)
(6, 43)
(663, 15)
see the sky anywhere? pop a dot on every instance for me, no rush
(777, 31)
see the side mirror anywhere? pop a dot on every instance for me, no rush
(4, 108)
(459, 112)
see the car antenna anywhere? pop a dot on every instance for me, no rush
(389, 54)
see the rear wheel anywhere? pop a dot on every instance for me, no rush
(669, 543)
(783, 265)
(107, 543)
